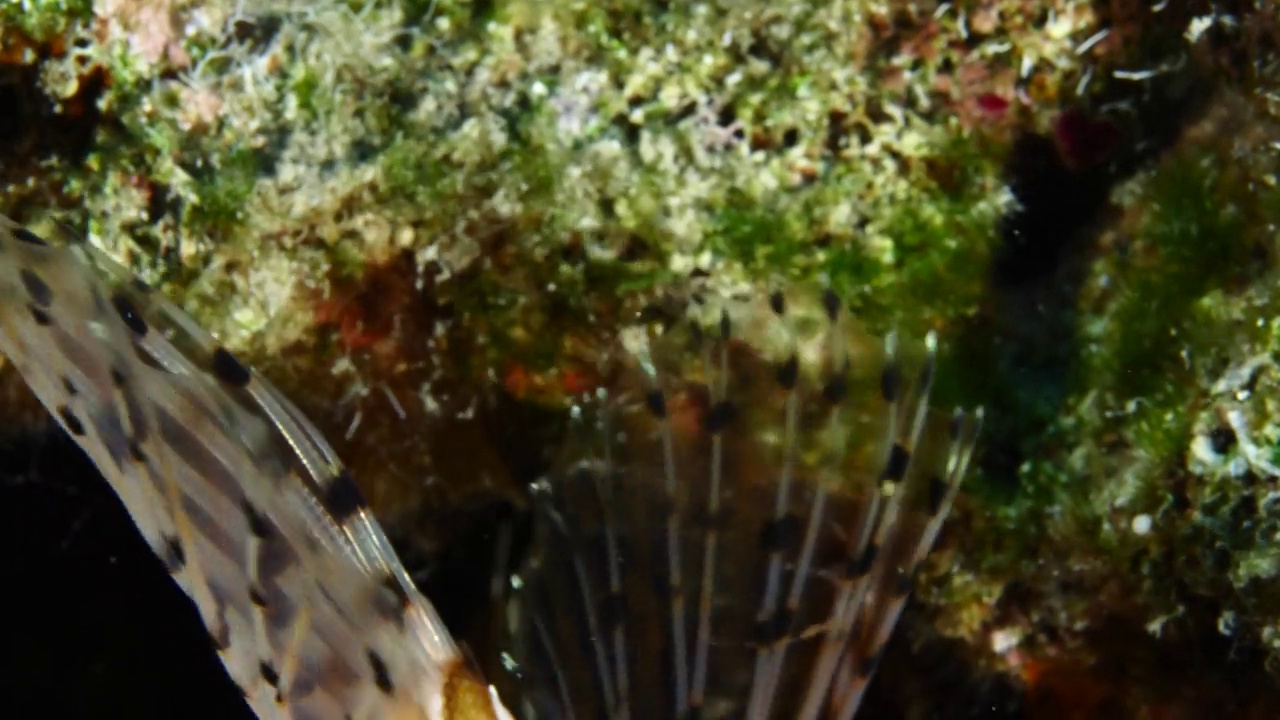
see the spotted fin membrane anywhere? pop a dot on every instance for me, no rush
(235, 490)
(735, 525)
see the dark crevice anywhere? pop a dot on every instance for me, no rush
(1062, 184)
(35, 130)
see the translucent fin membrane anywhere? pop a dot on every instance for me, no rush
(307, 605)
(735, 525)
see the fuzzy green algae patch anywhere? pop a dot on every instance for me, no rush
(517, 178)
(1147, 505)
(1125, 508)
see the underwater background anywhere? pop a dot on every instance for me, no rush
(421, 219)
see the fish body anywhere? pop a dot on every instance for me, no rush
(253, 514)
(733, 529)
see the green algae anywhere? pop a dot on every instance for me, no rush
(284, 119)
(605, 150)
(1121, 483)
(46, 18)
(534, 171)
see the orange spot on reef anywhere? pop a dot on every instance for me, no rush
(348, 319)
(574, 382)
(1065, 689)
(687, 414)
(516, 379)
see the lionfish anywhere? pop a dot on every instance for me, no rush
(731, 529)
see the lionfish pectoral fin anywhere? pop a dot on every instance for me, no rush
(311, 612)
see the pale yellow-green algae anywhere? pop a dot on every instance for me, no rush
(524, 162)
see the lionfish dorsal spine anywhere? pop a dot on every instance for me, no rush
(763, 500)
(716, 361)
